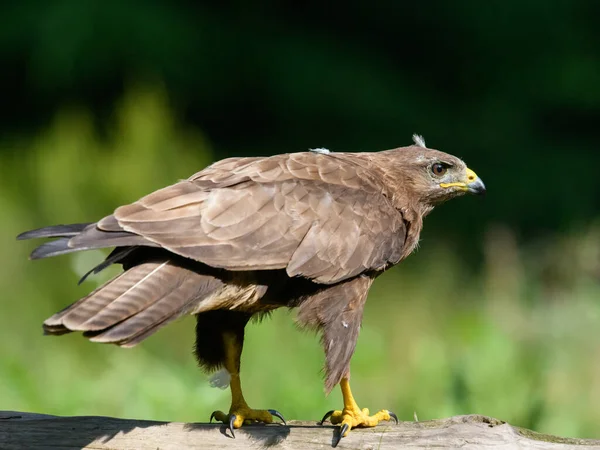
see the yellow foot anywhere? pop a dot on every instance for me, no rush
(244, 415)
(356, 417)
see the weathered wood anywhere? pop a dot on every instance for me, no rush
(38, 431)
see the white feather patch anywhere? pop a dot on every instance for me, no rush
(320, 150)
(220, 379)
(419, 140)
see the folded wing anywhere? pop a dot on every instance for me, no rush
(318, 216)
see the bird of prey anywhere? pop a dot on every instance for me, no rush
(309, 230)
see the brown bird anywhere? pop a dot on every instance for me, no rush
(244, 236)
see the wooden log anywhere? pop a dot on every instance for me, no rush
(38, 431)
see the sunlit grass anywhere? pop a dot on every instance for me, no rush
(517, 339)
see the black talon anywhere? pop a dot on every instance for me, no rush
(326, 416)
(343, 430)
(393, 416)
(277, 414)
(212, 416)
(231, 420)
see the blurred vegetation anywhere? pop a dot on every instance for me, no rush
(498, 312)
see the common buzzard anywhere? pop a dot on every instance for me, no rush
(244, 236)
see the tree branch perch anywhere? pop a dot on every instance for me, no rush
(20, 430)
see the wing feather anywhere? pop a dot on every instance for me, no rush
(318, 217)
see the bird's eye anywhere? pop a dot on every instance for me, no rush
(438, 169)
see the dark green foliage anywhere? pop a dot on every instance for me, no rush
(103, 102)
(510, 86)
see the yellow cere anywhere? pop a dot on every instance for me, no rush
(471, 177)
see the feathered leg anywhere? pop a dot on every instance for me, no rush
(230, 326)
(337, 312)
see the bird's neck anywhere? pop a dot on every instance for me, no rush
(413, 218)
(395, 182)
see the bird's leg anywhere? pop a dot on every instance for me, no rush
(239, 412)
(352, 416)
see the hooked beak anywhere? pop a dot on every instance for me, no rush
(472, 184)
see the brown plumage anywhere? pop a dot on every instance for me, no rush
(246, 235)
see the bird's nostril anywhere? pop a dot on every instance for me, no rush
(471, 178)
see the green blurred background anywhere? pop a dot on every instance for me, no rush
(498, 313)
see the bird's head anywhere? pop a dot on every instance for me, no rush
(435, 177)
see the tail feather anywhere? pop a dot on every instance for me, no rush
(53, 248)
(62, 246)
(178, 297)
(78, 237)
(156, 287)
(136, 304)
(117, 255)
(143, 293)
(71, 317)
(55, 231)
(115, 301)
(137, 338)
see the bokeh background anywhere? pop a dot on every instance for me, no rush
(498, 313)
